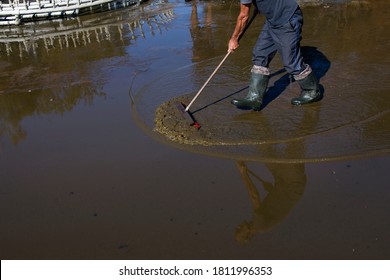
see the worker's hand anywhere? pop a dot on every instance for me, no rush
(233, 45)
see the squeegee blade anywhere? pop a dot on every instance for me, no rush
(187, 115)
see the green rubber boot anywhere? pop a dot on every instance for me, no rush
(310, 90)
(254, 98)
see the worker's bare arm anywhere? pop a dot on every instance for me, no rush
(242, 20)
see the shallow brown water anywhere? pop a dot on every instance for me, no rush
(85, 175)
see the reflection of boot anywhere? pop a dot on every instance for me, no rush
(254, 98)
(310, 90)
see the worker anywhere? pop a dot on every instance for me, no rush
(281, 33)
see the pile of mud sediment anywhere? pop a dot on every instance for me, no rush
(171, 122)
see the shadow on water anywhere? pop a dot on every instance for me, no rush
(235, 93)
(317, 61)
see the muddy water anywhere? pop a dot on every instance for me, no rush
(96, 163)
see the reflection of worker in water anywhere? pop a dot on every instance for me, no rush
(281, 32)
(287, 187)
(282, 195)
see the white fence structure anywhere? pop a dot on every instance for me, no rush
(13, 12)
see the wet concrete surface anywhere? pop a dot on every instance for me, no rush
(85, 173)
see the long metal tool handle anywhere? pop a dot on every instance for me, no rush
(220, 64)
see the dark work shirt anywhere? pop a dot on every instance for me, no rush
(277, 12)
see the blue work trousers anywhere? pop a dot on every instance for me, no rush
(284, 39)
